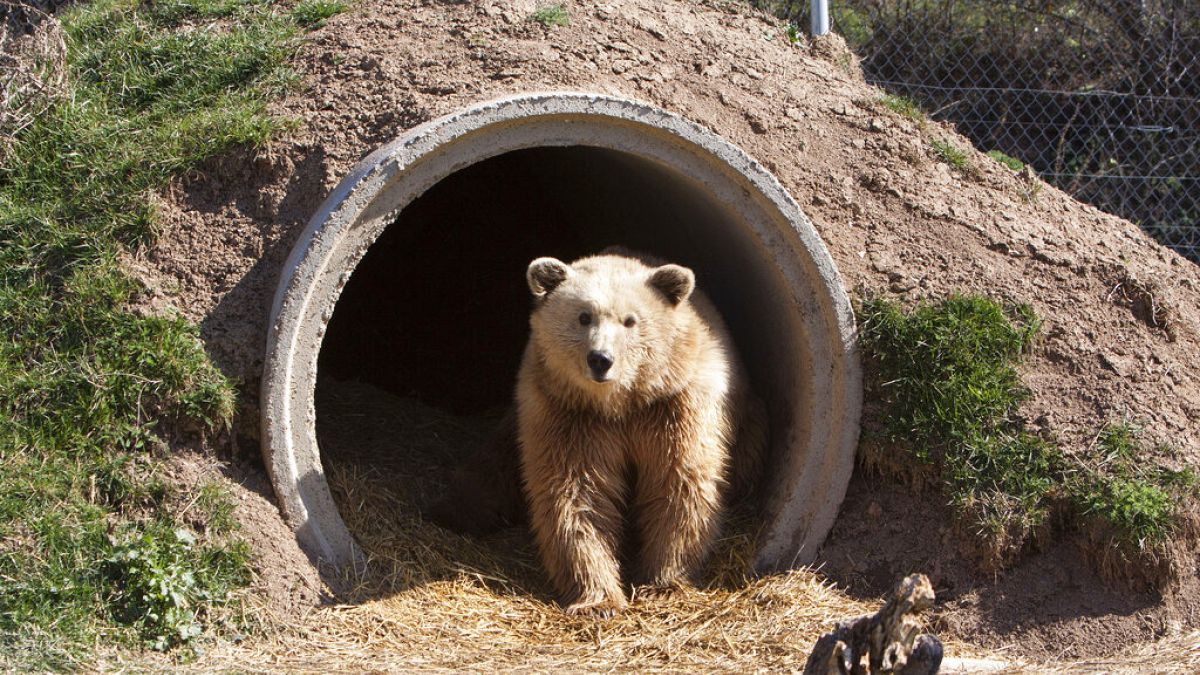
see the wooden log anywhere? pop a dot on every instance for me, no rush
(889, 640)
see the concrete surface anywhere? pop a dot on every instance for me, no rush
(816, 389)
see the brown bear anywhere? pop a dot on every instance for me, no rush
(630, 394)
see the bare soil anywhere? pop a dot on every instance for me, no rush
(283, 574)
(1122, 314)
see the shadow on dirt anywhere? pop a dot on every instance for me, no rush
(885, 532)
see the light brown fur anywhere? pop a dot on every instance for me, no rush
(676, 401)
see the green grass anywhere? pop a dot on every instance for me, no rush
(214, 506)
(951, 155)
(948, 367)
(164, 582)
(551, 15)
(903, 106)
(1012, 163)
(314, 13)
(1135, 499)
(946, 373)
(794, 35)
(90, 391)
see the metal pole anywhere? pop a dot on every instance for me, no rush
(820, 17)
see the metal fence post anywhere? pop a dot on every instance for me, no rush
(820, 17)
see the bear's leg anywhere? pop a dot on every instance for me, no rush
(575, 506)
(677, 502)
(483, 493)
(750, 448)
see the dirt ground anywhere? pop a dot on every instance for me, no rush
(433, 601)
(1122, 314)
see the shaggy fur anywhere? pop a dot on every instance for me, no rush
(651, 437)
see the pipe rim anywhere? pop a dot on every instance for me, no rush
(387, 180)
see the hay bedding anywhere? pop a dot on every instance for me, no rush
(435, 599)
(431, 600)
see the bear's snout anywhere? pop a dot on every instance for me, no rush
(599, 363)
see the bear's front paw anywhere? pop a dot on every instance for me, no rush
(604, 608)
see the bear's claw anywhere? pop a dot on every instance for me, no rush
(596, 609)
(657, 591)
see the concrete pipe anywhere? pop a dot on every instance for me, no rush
(437, 227)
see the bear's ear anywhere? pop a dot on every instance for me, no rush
(545, 274)
(673, 281)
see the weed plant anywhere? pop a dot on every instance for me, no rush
(905, 107)
(948, 153)
(551, 15)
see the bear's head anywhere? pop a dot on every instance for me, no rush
(606, 322)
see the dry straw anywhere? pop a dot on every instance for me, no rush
(430, 600)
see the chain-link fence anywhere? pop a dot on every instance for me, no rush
(1100, 97)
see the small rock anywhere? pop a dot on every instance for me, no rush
(621, 65)
(651, 27)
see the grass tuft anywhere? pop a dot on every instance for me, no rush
(164, 579)
(948, 368)
(795, 36)
(904, 107)
(951, 155)
(1137, 500)
(1012, 163)
(551, 15)
(313, 14)
(947, 374)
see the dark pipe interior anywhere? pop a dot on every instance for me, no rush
(438, 307)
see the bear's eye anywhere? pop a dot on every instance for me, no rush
(585, 318)
(630, 321)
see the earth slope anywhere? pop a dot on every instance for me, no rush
(1122, 324)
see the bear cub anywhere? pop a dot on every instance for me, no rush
(631, 400)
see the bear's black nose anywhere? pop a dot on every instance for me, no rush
(599, 362)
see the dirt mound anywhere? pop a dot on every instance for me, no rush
(283, 573)
(1122, 314)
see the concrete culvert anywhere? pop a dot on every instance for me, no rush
(410, 278)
